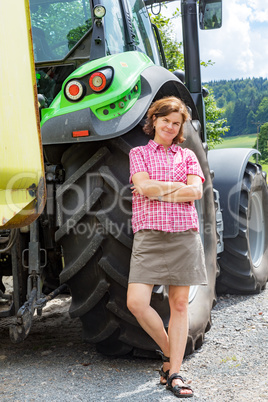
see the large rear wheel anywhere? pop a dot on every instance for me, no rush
(96, 237)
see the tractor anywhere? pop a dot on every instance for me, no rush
(99, 64)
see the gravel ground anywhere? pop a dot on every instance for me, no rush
(53, 364)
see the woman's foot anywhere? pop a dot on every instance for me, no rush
(164, 372)
(176, 384)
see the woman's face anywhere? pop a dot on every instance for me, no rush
(167, 128)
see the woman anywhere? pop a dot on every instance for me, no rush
(167, 249)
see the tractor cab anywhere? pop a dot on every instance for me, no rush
(59, 28)
(69, 33)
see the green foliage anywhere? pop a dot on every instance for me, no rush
(238, 121)
(62, 24)
(245, 102)
(263, 143)
(262, 111)
(215, 125)
(172, 48)
(251, 118)
(77, 33)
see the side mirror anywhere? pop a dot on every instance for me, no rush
(210, 14)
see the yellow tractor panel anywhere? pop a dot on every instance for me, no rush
(22, 183)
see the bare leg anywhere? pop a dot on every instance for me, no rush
(173, 344)
(178, 329)
(138, 302)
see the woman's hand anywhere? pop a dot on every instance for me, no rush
(134, 190)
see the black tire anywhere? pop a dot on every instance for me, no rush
(97, 265)
(244, 261)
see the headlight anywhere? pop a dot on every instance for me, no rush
(99, 11)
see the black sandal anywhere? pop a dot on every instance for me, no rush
(177, 388)
(163, 373)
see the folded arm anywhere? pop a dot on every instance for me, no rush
(153, 188)
(189, 193)
(168, 191)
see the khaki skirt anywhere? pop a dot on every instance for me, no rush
(164, 258)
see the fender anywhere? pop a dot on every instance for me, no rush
(229, 167)
(155, 82)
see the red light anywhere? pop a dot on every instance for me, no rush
(74, 90)
(97, 81)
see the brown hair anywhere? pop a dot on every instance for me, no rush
(164, 107)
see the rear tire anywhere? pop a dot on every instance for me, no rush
(96, 238)
(244, 262)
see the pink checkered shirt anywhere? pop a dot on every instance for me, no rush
(159, 215)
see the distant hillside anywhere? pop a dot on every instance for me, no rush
(245, 102)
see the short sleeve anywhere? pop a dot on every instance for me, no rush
(193, 166)
(136, 162)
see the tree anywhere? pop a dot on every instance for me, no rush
(172, 48)
(215, 126)
(175, 61)
(231, 95)
(61, 37)
(238, 121)
(221, 101)
(263, 143)
(262, 111)
(251, 118)
(252, 92)
(74, 35)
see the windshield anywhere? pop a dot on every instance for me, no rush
(144, 36)
(57, 25)
(114, 29)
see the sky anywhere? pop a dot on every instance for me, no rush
(239, 48)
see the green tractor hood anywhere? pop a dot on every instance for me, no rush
(133, 81)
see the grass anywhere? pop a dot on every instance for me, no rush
(265, 168)
(241, 141)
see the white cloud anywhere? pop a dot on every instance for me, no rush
(260, 10)
(239, 40)
(216, 54)
(238, 49)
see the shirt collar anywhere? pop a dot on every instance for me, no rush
(152, 144)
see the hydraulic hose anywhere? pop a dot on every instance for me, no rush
(11, 241)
